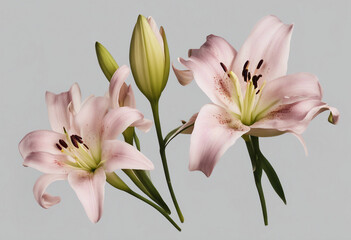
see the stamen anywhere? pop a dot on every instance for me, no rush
(85, 146)
(225, 69)
(246, 64)
(58, 146)
(258, 91)
(74, 141)
(249, 76)
(259, 64)
(78, 138)
(63, 143)
(244, 73)
(255, 80)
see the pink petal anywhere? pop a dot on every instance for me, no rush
(116, 84)
(143, 124)
(184, 76)
(214, 132)
(127, 98)
(208, 73)
(46, 162)
(270, 41)
(40, 141)
(119, 119)
(46, 200)
(89, 119)
(90, 189)
(120, 155)
(289, 89)
(156, 31)
(293, 117)
(58, 107)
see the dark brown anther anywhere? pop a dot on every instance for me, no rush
(249, 76)
(86, 146)
(74, 141)
(259, 64)
(246, 64)
(258, 91)
(78, 138)
(58, 146)
(244, 73)
(225, 69)
(63, 143)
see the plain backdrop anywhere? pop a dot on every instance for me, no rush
(49, 45)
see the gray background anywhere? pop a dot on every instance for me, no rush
(49, 45)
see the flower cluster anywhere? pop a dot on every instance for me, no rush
(252, 96)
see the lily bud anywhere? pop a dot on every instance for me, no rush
(107, 64)
(149, 58)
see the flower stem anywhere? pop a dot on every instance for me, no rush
(117, 182)
(155, 112)
(257, 170)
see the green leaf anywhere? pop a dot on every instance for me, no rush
(107, 64)
(171, 135)
(272, 177)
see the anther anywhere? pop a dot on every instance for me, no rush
(63, 143)
(246, 64)
(78, 138)
(225, 69)
(249, 76)
(259, 64)
(85, 146)
(58, 146)
(258, 91)
(74, 141)
(244, 73)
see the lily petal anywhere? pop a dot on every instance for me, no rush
(46, 162)
(214, 132)
(205, 64)
(39, 141)
(120, 155)
(90, 119)
(59, 115)
(90, 189)
(117, 120)
(184, 76)
(46, 200)
(270, 41)
(116, 83)
(288, 89)
(156, 31)
(293, 117)
(127, 98)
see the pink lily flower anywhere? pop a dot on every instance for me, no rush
(250, 91)
(81, 147)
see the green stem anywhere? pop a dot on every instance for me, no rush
(256, 165)
(117, 182)
(154, 107)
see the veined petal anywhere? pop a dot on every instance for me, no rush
(214, 132)
(116, 83)
(46, 162)
(127, 96)
(156, 31)
(90, 189)
(40, 141)
(205, 64)
(120, 155)
(46, 200)
(270, 41)
(143, 124)
(59, 114)
(89, 119)
(184, 76)
(293, 117)
(117, 120)
(288, 89)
